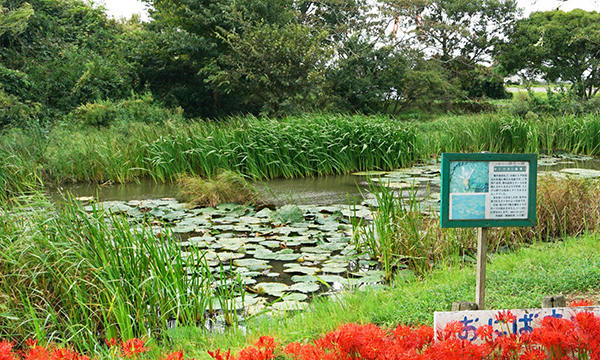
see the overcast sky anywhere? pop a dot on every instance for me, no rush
(124, 8)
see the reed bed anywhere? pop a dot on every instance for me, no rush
(261, 148)
(70, 276)
(504, 133)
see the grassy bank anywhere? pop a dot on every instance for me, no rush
(514, 280)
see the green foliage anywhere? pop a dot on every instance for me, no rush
(135, 109)
(70, 276)
(554, 103)
(68, 54)
(287, 214)
(226, 187)
(278, 67)
(558, 46)
(365, 78)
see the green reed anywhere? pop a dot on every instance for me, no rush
(70, 276)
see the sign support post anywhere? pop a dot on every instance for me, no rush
(482, 235)
(486, 190)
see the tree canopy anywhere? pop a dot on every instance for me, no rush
(215, 58)
(557, 45)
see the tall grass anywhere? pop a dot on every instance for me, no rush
(67, 275)
(505, 133)
(225, 187)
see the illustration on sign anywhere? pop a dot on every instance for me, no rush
(488, 190)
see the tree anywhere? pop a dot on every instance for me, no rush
(279, 67)
(67, 54)
(557, 45)
(459, 34)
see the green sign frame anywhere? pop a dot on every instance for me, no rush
(474, 161)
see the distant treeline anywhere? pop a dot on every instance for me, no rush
(214, 58)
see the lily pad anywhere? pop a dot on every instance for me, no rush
(302, 270)
(289, 305)
(585, 173)
(271, 288)
(296, 296)
(305, 287)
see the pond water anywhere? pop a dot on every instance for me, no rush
(325, 190)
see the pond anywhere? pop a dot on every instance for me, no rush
(282, 262)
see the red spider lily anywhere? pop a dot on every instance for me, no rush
(578, 303)
(533, 354)
(133, 347)
(37, 353)
(177, 355)
(218, 356)
(504, 317)
(64, 354)
(485, 332)
(6, 350)
(451, 330)
(308, 352)
(111, 342)
(31, 343)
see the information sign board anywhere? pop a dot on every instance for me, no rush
(488, 190)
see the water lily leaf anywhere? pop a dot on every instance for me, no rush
(301, 270)
(271, 288)
(113, 207)
(314, 250)
(271, 244)
(250, 220)
(289, 305)
(221, 228)
(314, 257)
(332, 279)
(231, 244)
(304, 278)
(296, 296)
(183, 229)
(585, 173)
(333, 270)
(173, 215)
(264, 254)
(252, 264)
(286, 257)
(226, 256)
(287, 214)
(305, 287)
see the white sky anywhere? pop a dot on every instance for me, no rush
(124, 8)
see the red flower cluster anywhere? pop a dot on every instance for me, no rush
(128, 348)
(36, 352)
(564, 339)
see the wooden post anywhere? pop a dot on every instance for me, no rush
(482, 235)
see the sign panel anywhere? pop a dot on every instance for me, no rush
(486, 190)
(525, 320)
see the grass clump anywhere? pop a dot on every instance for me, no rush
(226, 187)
